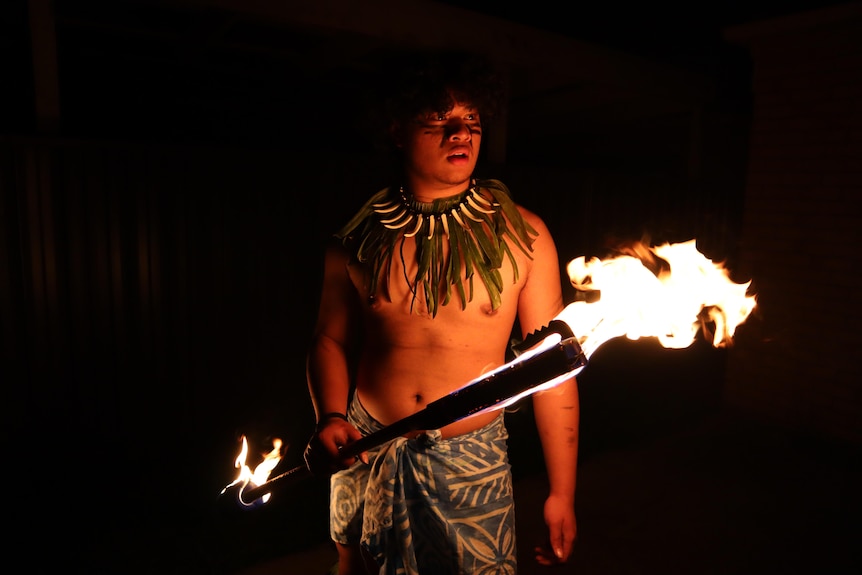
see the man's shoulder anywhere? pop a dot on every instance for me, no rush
(366, 210)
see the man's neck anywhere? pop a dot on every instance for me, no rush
(424, 192)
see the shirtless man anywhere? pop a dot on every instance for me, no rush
(395, 333)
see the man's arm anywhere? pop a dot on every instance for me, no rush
(556, 410)
(327, 365)
(557, 416)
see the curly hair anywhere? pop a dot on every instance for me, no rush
(421, 82)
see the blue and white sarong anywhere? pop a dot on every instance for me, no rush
(429, 506)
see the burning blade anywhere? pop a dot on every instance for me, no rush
(537, 369)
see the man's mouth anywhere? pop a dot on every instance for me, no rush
(459, 155)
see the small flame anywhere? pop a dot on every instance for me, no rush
(667, 304)
(247, 477)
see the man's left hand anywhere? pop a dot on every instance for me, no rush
(562, 530)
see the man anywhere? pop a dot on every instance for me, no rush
(420, 296)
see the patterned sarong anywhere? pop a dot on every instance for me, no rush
(427, 506)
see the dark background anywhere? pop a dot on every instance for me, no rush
(197, 166)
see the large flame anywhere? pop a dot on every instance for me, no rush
(671, 302)
(248, 478)
(669, 292)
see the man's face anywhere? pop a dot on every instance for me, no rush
(441, 148)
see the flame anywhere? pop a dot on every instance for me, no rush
(247, 477)
(635, 302)
(668, 304)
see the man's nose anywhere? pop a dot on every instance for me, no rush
(458, 129)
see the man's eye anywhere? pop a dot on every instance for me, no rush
(440, 117)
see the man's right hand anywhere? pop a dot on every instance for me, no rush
(323, 454)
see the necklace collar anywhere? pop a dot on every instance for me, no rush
(406, 212)
(459, 239)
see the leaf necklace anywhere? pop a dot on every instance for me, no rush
(476, 230)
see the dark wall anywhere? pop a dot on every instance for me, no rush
(160, 265)
(802, 223)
